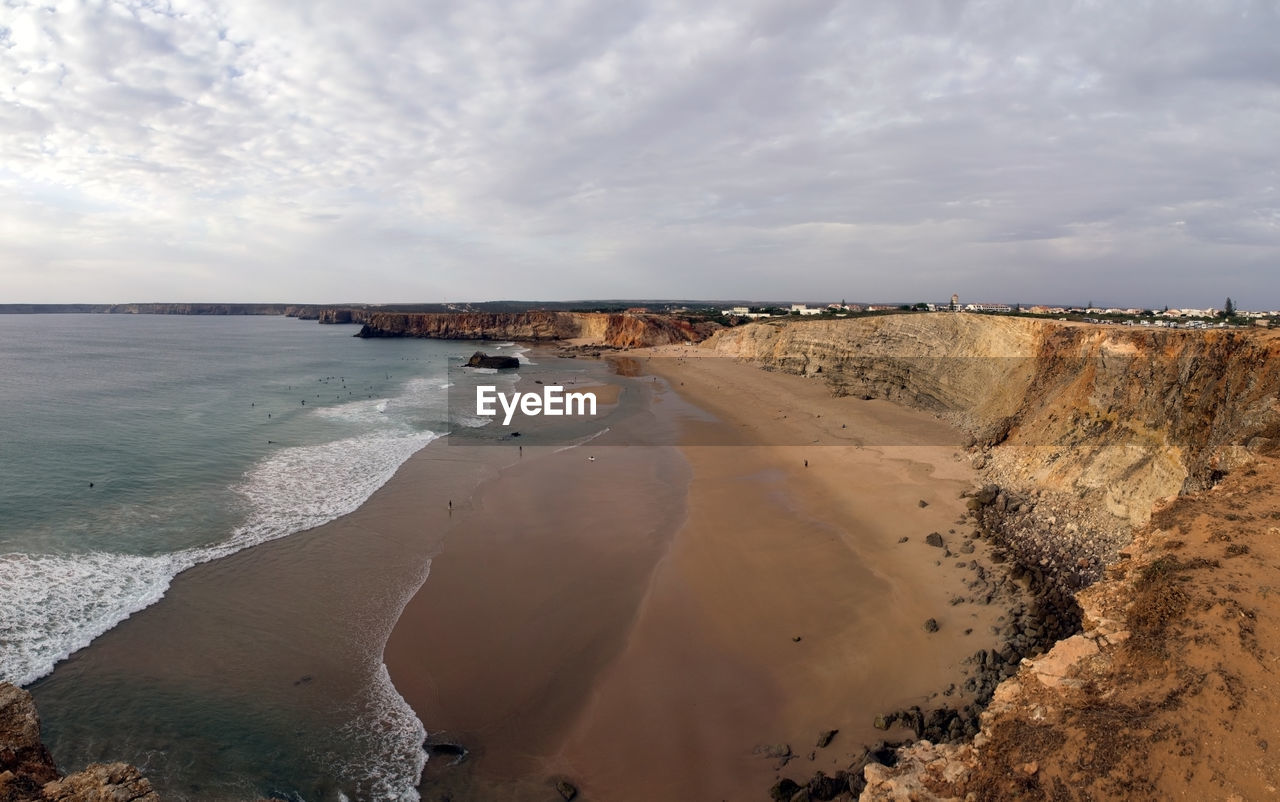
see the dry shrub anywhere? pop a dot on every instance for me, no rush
(1014, 743)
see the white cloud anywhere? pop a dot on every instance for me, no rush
(403, 150)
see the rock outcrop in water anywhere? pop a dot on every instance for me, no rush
(482, 360)
(27, 771)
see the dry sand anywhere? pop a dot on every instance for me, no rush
(588, 621)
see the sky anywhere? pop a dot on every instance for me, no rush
(411, 150)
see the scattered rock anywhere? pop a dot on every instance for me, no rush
(931, 625)
(934, 539)
(903, 539)
(774, 751)
(783, 790)
(567, 790)
(987, 494)
(824, 740)
(825, 788)
(108, 782)
(923, 503)
(456, 751)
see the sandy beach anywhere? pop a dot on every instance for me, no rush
(646, 623)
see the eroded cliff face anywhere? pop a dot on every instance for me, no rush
(1159, 685)
(1168, 692)
(613, 330)
(27, 771)
(1117, 416)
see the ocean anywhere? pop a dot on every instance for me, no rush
(133, 448)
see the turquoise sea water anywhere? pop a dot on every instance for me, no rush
(135, 447)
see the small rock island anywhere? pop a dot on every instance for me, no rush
(482, 360)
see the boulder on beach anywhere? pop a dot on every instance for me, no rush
(987, 494)
(482, 360)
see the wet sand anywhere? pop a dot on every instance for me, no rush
(641, 624)
(629, 622)
(283, 638)
(283, 641)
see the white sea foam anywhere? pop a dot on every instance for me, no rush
(368, 411)
(302, 487)
(389, 739)
(387, 734)
(504, 345)
(57, 604)
(520, 355)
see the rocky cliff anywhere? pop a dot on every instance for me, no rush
(27, 771)
(1120, 416)
(1169, 690)
(614, 330)
(1140, 666)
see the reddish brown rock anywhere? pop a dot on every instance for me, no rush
(21, 751)
(601, 328)
(115, 782)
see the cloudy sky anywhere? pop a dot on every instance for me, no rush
(416, 150)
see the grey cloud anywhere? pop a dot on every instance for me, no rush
(557, 149)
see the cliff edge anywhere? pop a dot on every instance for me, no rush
(1118, 417)
(27, 771)
(1131, 477)
(1168, 692)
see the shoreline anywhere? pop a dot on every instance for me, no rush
(688, 589)
(726, 643)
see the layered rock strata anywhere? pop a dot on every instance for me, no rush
(1082, 431)
(613, 330)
